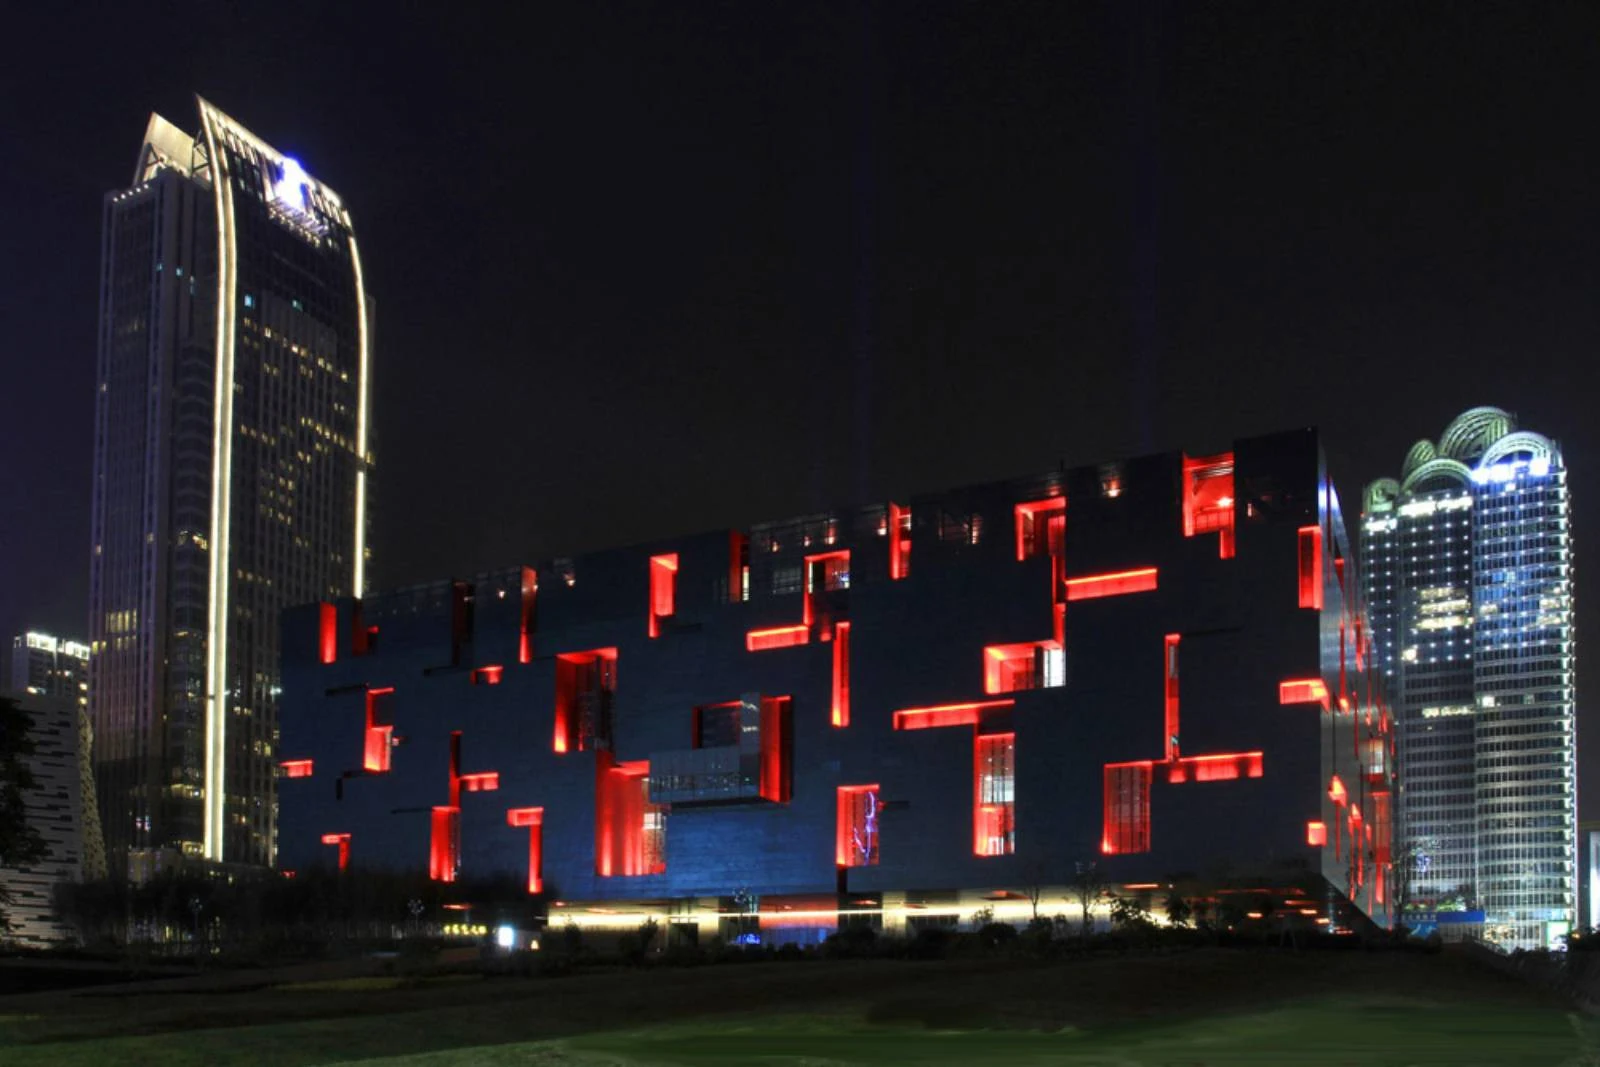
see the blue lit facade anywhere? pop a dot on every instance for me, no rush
(909, 710)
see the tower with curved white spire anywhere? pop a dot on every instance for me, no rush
(1468, 567)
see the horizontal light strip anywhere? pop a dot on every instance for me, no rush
(1118, 583)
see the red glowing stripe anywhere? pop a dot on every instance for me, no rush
(775, 782)
(946, 715)
(1220, 768)
(343, 841)
(487, 675)
(530, 594)
(296, 768)
(1170, 693)
(1027, 523)
(379, 738)
(533, 820)
(1303, 691)
(851, 799)
(1311, 567)
(481, 782)
(444, 849)
(663, 590)
(328, 626)
(777, 637)
(899, 541)
(1093, 586)
(841, 674)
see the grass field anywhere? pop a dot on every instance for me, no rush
(1195, 1009)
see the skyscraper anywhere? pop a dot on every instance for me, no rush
(43, 665)
(231, 466)
(1468, 568)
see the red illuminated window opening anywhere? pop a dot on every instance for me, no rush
(994, 824)
(1041, 527)
(1220, 768)
(899, 530)
(1017, 667)
(776, 749)
(840, 704)
(1304, 691)
(1094, 586)
(777, 637)
(487, 675)
(586, 686)
(825, 572)
(343, 843)
(480, 782)
(533, 820)
(1170, 694)
(444, 844)
(1311, 567)
(663, 590)
(328, 632)
(630, 832)
(1208, 499)
(856, 831)
(1316, 834)
(943, 715)
(379, 738)
(1127, 808)
(295, 768)
(530, 603)
(738, 567)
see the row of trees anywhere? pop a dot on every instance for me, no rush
(20, 843)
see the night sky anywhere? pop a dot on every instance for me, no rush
(651, 269)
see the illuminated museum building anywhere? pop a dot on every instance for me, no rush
(1469, 582)
(907, 709)
(230, 477)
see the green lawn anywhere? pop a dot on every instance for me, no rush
(1195, 1009)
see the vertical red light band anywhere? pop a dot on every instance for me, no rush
(378, 737)
(1311, 567)
(841, 674)
(993, 799)
(533, 820)
(663, 590)
(1170, 695)
(328, 632)
(443, 844)
(775, 755)
(530, 600)
(899, 531)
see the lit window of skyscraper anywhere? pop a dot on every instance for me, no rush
(1468, 572)
(231, 466)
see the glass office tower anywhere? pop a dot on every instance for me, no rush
(1468, 568)
(231, 467)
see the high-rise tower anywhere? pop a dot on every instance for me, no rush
(1468, 568)
(231, 467)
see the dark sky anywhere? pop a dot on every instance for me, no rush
(648, 269)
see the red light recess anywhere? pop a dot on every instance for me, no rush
(1208, 501)
(487, 675)
(663, 590)
(1311, 567)
(295, 768)
(444, 844)
(899, 530)
(533, 820)
(343, 841)
(1035, 537)
(530, 603)
(1170, 694)
(777, 637)
(776, 783)
(1220, 768)
(1316, 834)
(946, 715)
(328, 632)
(584, 680)
(856, 831)
(1012, 668)
(1304, 691)
(840, 704)
(1127, 808)
(1094, 586)
(738, 567)
(481, 782)
(630, 832)
(994, 802)
(379, 738)
(825, 572)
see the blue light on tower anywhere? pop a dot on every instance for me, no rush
(290, 189)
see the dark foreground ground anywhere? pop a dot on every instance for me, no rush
(1194, 1008)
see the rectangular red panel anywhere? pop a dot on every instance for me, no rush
(856, 831)
(630, 832)
(738, 567)
(1208, 499)
(777, 637)
(295, 768)
(444, 846)
(1220, 768)
(775, 750)
(533, 819)
(1311, 567)
(1093, 586)
(1033, 523)
(1016, 667)
(1126, 827)
(663, 590)
(841, 674)
(328, 632)
(481, 782)
(994, 800)
(899, 530)
(1303, 691)
(1170, 694)
(1316, 834)
(379, 735)
(946, 715)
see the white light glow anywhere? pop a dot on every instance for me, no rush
(505, 936)
(358, 577)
